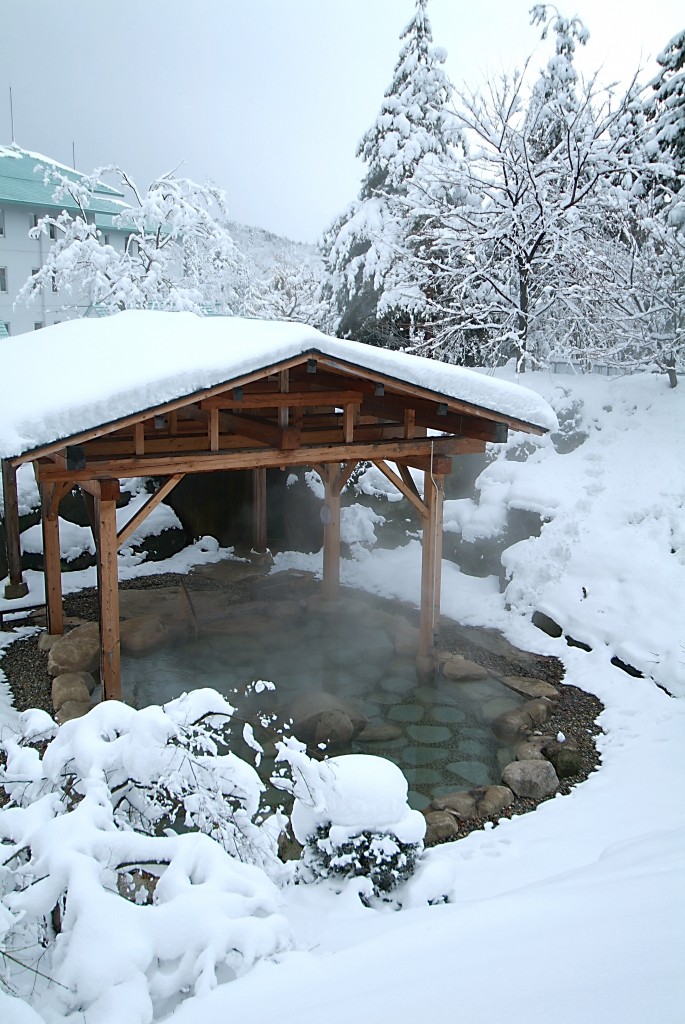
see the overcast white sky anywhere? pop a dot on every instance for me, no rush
(268, 98)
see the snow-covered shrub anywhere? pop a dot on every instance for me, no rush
(164, 767)
(133, 864)
(351, 815)
(380, 857)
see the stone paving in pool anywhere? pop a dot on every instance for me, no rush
(440, 735)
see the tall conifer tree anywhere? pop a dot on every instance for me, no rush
(413, 124)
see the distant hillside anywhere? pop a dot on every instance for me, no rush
(263, 248)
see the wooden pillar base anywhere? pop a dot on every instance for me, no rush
(51, 558)
(259, 541)
(431, 563)
(108, 588)
(16, 587)
(330, 514)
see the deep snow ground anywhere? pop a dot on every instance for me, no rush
(577, 911)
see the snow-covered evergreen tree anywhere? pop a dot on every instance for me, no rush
(666, 106)
(178, 253)
(361, 247)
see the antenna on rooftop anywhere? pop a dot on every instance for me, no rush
(11, 116)
(73, 154)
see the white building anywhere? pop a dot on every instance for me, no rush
(24, 199)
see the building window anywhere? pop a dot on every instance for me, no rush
(38, 325)
(3, 279)
(52, 231)
(34, 271)
(54, 282)
(2, 223)
(105, 239)
(33, 220)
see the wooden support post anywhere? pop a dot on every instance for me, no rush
(259, 510)
(51, 563)
(431, 563)
(214, 430)
(330, 513)
(16, 587)
(284, 388)
(108, 590)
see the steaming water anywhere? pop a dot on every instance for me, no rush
(445, 742)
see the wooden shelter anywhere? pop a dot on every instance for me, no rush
(317, 402)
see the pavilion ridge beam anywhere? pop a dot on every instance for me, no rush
(16, 586)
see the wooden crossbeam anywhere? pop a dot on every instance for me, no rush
(206, 462)
(275, 400)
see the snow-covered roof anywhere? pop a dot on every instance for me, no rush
(81, 374)
(22, 182)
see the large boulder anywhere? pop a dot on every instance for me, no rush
(461, 670)
(531, 748)
(493, 800)
(320, 717)
(142, 635)
(530, 687)
(76, 686)
(77, 651)
(533, 780)
(441, 827)
(72, 709)
(383, 733)
(518, 723)
(460, 803)
(565, 756)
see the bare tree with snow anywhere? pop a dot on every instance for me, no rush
(178, 253)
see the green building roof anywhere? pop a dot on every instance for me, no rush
(22, 184)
